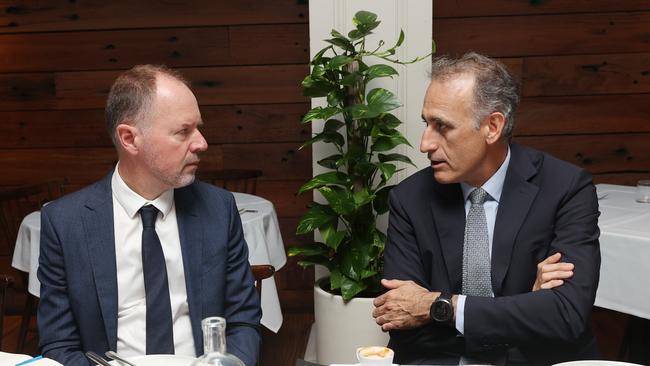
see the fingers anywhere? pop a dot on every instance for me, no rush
(392, 284)
(551, 284)
(556, 275)
(557, 267)
(550, 260)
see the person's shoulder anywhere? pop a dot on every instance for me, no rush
(74, 201)
(421, 180)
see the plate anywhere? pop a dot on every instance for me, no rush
(158, 360)
(595, 363)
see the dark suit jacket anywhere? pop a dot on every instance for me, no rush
(77, 270)
(546, 206)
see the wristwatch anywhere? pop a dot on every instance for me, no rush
(442, 309)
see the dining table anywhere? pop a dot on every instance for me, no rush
(625, 251)
(261, 232)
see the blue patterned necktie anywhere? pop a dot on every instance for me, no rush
(160, 333)
(476, 249)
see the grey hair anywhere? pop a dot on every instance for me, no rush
(495, 89)
(132, 95)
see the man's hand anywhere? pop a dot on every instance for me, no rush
(552, 273)
(406, 305)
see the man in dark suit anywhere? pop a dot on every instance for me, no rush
(472, 261)
(134, 262)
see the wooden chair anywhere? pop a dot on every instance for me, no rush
(15, 204)
(234, 180)
(6, 281)
(261, 272)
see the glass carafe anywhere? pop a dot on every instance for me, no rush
(214, 344)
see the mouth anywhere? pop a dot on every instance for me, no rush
(437, 163)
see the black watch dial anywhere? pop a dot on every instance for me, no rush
(442, 309)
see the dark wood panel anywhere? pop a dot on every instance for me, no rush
(297, 301)
(581, 115)
(626, 179)
(177, 47)
(562, 34)
(277, 161)
(621, 153)
(212, 86)
(288, 230)
(470, 8)
(283, 195)
(262, 123)
(587, 75)
(58, 15)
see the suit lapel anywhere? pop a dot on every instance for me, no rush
(191, 237)
(516, 199)
(100, 239)
(449, 216)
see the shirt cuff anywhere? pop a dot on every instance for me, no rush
(460, 314)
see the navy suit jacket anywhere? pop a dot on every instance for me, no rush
(546, 206)
(77, 270)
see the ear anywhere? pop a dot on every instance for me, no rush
(495, 123)
(126, 138)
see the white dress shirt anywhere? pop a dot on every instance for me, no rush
(493, 187)
(131, 298)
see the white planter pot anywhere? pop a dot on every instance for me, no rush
(343, 327)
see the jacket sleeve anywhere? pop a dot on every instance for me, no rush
(242, 306)
(560, 314)
(58, 332)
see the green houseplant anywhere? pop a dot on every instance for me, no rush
(358, 123)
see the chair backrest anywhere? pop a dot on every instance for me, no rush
(16, 203)
(5, 282)
(234, 180)
(260, 272)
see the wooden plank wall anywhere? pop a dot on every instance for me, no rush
(585, 72)
(245, 59)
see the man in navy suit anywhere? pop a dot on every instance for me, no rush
(472, 261)
(134, 262)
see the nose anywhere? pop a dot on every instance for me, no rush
(199, 144)
(429, 142)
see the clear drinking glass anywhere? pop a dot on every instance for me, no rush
(214, 344)
(643, 191)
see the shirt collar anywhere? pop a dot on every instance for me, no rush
(494, 185)
(132, 202)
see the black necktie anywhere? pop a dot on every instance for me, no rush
(160, 333)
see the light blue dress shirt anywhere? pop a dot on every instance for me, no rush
(493, 187)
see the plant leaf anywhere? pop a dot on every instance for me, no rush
(316, 87)
(330, 162)
(326, 136)
(350, 79)
(361, 111)
(385, 143)
(364, 17)
(335, 279)
(320, 113)
(381, 100)
(338, 61)
(380, 204)
(349, 288)
(389, 122)
(387, 170)
(379, 71)
(333, 125)
(339, 199)
(362, 197)
(342, 43)
(308, 250)
(395, 157)
(317, 71)
(317, 216)
(331, 236)
(329, 178)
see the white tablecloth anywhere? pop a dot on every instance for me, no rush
(261, 231)
(625, 250)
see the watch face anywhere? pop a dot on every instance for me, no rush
(442, 311)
